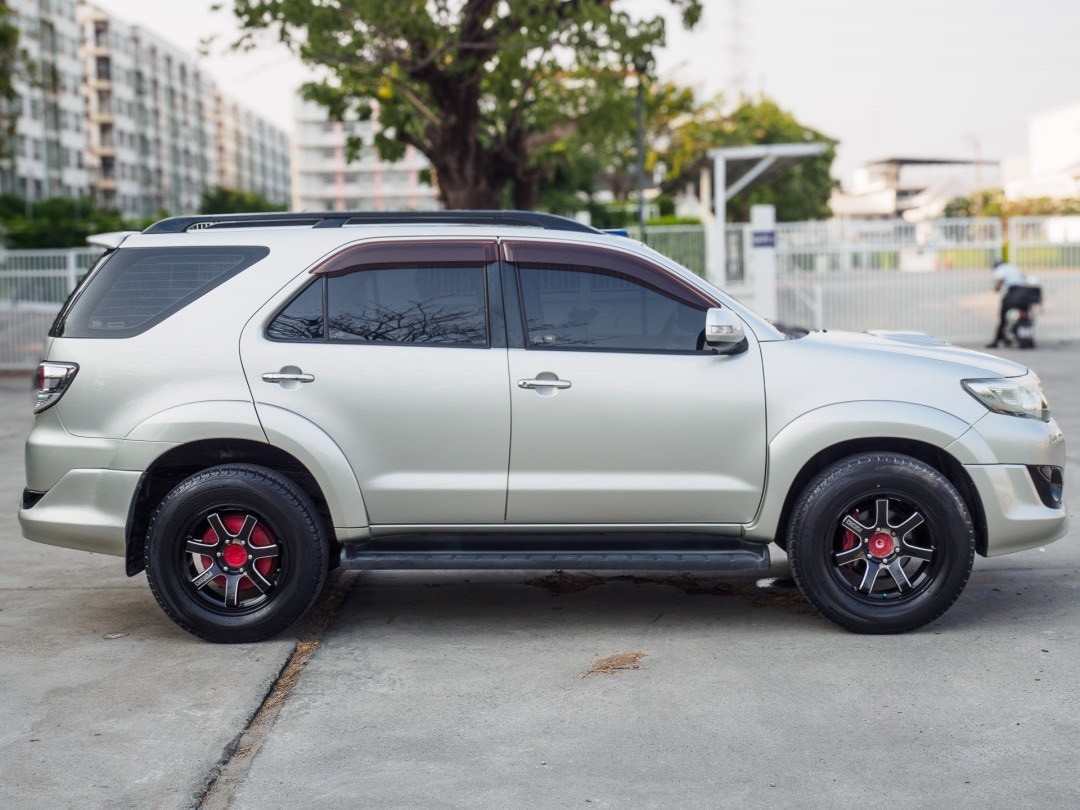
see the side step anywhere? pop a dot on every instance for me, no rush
(716, 554)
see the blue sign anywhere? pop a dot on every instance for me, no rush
(764, 239)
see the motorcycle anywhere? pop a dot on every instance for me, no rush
(1020, 303)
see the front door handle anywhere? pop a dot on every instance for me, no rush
(285, 376)
(543, 384)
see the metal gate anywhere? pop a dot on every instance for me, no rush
(889, 274)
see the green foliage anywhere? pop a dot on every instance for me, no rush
(608, 216)
(13, 62)
(665, 203)
(673, 220)
(55, 223)
(605, 144)
(987, 202)
(485, 89)
(991, 202)
(800, 193)
(222, 200)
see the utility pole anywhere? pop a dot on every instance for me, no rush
(977, 197)
(640, 68)
(737, 52)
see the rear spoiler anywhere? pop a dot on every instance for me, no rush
(111, 240)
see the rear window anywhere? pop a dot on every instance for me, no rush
(137, 288)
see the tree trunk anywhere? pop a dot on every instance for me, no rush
(468, 177)
(475, 196)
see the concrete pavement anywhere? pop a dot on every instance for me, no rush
(466, 689)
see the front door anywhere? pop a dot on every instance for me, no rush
(620, 415)
(390, 350)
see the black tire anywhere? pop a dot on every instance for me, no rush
(261, 577)
(881, 543)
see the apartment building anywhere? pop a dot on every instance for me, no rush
(151, 119)
(324, 181)
(120, 114)
(252, 154)
(49, 149)
(161, 132)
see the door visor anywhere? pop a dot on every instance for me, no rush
(578, 255)
(401, 251)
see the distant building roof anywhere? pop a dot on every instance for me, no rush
(916, 161)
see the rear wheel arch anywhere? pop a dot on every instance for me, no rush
(178, 463)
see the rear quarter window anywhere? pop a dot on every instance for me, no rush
(137, 288)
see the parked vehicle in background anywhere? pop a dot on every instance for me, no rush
(236, 403)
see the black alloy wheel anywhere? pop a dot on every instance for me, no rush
(881, 543)
(236, 553)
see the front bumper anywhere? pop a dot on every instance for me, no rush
(1016, 517)
(86, 510)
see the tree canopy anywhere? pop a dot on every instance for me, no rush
(224, 200)
(483, 88)
(802, 192)
(12, 63)
(58, 222)
(991, 202)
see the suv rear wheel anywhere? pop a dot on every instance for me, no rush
(881, 543)
(236, 553)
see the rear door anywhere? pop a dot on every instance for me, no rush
(390, 348)
(619, 413)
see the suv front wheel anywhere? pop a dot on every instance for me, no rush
(881, 543)
(236, 553)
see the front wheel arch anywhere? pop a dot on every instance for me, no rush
(929, 454)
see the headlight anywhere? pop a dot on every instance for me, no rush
(1016, 396)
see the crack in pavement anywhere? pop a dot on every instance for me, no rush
(230, 771)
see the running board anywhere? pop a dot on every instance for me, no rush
(715, 554)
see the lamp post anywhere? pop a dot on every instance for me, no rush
(640, 67)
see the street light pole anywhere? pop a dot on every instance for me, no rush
(640, 69)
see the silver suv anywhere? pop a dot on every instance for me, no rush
(239, 403)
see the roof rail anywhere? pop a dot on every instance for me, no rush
(336, 219)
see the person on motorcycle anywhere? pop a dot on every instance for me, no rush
(1006, 276)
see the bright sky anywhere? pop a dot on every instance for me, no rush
(915, 78)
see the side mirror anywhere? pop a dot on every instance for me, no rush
(722, 328)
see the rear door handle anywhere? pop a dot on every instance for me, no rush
(284, 376)
(543, 383)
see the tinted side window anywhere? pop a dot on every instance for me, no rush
(137, 288)
(592, 308)
(303, 318)
(433, 305)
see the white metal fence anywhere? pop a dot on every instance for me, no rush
(33, 285)
(890, 274)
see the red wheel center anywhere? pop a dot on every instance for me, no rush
(882, 544)
(234, 555)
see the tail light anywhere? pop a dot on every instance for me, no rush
(53, 380)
